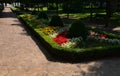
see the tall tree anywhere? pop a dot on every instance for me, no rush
(111, 6)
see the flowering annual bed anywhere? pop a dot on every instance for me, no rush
(58, 35)
(98, 44)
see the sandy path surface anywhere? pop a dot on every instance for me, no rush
(21, 56)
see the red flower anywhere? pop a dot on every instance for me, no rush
(60, 38)
(98, 35)
(102, 36)
(92, 35)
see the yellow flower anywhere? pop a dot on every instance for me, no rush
(48, 30)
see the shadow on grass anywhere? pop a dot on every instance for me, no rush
(99, 23)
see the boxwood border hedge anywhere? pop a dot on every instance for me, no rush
(74, 54)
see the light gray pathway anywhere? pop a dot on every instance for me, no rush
(21, 56)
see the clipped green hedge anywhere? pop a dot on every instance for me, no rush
(78, 28)
(16, 10)
(71, 54)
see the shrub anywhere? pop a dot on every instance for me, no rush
(34, 12)
(77, 29)
(56, 21)
(15, 9)
(42, 15)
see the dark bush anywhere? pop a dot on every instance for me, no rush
(56, 21)
(42, 15)
(34, 12)
(50, 7)
(22, 7)
(77, 29)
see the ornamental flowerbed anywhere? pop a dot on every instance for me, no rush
(57, 40)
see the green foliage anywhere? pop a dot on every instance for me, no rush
(16, 9)
(56, 21)
(77, 29)
(42, 15)
(34, 12)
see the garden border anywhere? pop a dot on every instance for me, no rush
(61, 54)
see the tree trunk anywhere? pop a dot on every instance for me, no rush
(57, 8)
(91, 10)
(108, 12)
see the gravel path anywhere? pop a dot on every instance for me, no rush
(21, 56)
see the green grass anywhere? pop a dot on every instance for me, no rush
(115, 19)
(76, 15)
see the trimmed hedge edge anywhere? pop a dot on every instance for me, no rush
(75, 54)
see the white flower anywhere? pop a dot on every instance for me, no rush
(78, 39)
(69, 44)
(53, 35)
